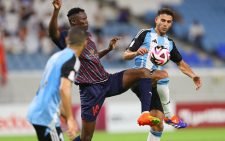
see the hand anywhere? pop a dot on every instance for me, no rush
(112, 44)
(142, 51)
(72, 128)
(197, 82)
(57, 4)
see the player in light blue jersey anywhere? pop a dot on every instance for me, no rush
(54, 92)
(138, 50)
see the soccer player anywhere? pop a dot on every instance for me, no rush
(94, 82)
(139, 48)
(55, 89)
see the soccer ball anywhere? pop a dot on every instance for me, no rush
(159, 55)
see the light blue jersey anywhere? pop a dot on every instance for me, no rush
(148, 38)
(44, 109)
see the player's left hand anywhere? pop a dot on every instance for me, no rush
(112, 44)
(197, 81)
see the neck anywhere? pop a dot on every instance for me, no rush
(159, 33)
(77, 50)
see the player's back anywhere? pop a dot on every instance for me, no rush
(45, 104)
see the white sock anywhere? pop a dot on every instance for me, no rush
(164, 94)
(154, 136)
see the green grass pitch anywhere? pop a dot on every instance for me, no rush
(207, 134)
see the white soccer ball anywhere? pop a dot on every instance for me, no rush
(159, 55)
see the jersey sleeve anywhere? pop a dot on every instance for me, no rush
(137, 41)
(61, 43)
(68, 70)
(175, 55)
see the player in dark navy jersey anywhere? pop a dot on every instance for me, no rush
(138, 50)
(94, 82)
(55, 90)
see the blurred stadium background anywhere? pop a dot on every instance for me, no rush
(199, 34)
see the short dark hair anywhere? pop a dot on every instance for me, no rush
(167, 11)
(76, 36)
(74, 10)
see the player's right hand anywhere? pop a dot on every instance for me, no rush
(57, 4)
(142, 51)
(72, 128)
(197, 81)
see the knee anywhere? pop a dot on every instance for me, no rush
(164, 74)
(145, 73)
(159, 74)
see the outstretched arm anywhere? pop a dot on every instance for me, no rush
(184, 67)
(112, 45)
(53, 25)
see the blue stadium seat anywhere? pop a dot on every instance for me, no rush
(220, 50)
(208, 13)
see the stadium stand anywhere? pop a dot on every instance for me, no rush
(19, 23)
(210, 13)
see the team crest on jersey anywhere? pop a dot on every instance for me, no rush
(154, 44)
(93, 53)
(155, 41)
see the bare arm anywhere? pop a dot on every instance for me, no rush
(129, 55)
(184, 67)
(112, 45)
(53, 25)
(103, 52)
(66, 96)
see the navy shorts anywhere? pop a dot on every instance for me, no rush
(92, 96)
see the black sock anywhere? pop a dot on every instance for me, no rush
(77, 138)
(145, 89)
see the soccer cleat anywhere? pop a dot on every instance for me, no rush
(176, 122)
(146, 119)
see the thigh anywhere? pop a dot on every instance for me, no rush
(92, 97)
(114, 85)
(44, 133)
(130, 76)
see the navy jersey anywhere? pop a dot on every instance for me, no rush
(44, 109)
(148, 38)
(91, 70)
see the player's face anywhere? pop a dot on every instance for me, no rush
(79, 20)
(163, 23)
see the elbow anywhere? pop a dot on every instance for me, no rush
(124, 57)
